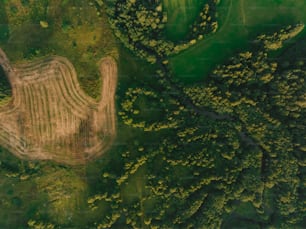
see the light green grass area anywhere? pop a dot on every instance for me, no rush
(240, 22)
(181, 14)
(245, 216)
(66, 192)
(31, 190)
(19, 199)
(134, 190)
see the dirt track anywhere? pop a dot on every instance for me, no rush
(51, 118)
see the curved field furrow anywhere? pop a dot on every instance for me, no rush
(51, 118)
(28, 100)
(106, 106)
(53, 77)
(73, 87)
(47, 124)
(74, 80)
(67, 88)
(16, 100)
(43, 114)
(9, 140)
(53, 110)
(74, 99)
(65, 100)
(34, 128)
(37, 105)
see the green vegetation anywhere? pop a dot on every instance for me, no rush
(5, 89)
(239, 21)
(73, 29)
(140, 26)
(230, 155)
(180, 15)
(4, 30)
(228, 152)
(66, 192)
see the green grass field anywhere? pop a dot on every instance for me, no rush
(181, 14)
(240, 21)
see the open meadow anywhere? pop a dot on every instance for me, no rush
(240, 22)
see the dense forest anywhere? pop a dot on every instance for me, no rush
(139, 25)
(237, 140)
(230, 152)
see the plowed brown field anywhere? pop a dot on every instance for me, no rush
(51, 118)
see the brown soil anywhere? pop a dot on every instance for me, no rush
(51, 118)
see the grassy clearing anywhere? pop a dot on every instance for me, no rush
(181, 14)
(135, 191)
(75, 30)
(19, 200)
(240, 22)
(18, 195)
(66, 193)
(3, 23)
(52, 193)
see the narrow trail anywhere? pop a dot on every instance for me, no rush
(51, 118)
(243, 16)
(140, 189)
